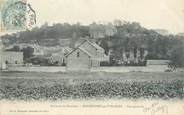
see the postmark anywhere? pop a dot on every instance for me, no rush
(17, 15)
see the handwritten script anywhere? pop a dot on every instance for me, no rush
(156, 108)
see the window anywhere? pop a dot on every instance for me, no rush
(78, 54)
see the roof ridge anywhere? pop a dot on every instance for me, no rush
(95, 45)
(76, 48)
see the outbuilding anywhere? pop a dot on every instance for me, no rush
(85, 56)
(11, 58)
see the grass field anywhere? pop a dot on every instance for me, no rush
(59, 86)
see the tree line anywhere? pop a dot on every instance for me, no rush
(128, 35)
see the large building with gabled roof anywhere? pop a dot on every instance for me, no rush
(86, 55)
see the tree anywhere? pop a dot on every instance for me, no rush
(27, 52)
(104, 45)
(177, 57)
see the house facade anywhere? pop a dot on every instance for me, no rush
(10, 58)
(101, 31)
(78, 60)
(59, 56)
(85, 56)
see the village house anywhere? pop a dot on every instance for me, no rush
(55, 55)
(85, 56)
(10, 58)
(101, 31)
(38, 51)
(45, 55)
(58, 57)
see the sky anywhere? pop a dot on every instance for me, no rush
(152, 14)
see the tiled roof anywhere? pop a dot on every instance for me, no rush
(83, 49)
(96, 45)
(86, 52)
(80, 48)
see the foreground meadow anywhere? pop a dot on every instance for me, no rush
(62, 86)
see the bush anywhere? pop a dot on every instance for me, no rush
(177, 57)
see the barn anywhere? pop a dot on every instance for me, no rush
(85, 56)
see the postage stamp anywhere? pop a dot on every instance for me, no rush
(16, 15)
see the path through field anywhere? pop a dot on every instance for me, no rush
(131, 76)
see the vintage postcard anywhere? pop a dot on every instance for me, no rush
(91, 57)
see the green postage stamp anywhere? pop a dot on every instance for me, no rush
(16, 15)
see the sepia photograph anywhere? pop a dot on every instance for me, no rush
(78, 57)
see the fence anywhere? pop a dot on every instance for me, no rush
(121, 69)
